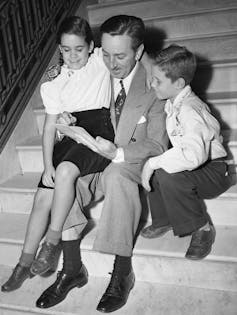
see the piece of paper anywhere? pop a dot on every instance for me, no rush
(78, 134)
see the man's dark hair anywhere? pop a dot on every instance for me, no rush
(177, 62)
(125, 24)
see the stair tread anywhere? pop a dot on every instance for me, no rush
(13, 228)
(21, 182)
(28, 182)
(36, 141)
(142, 299)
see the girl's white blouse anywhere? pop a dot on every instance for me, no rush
(79, 90)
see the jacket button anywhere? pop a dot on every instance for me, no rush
(133, 140)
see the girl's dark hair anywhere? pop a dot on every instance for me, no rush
(125, 24)
(77, 26)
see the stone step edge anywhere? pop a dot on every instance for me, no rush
(29, 144)
(31, 310)
(167, 16)
(230, 193)
(202, 36)
(140, 250)
(96, 6)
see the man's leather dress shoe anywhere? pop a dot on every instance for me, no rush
(117, 293)
(46, 259)
(58, 291)
(18, 276)
(152, 232)
(201, 244)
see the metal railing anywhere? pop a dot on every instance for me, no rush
(27, 42)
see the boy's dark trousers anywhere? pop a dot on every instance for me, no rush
(177, 198)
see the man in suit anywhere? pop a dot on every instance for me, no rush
(139, 122)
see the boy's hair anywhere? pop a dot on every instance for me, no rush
(125, 24)
(177, 62)
(77, 26)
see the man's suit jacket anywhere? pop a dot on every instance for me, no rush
(141, 130)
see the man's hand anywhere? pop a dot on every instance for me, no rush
(147, 171)
(105, 148)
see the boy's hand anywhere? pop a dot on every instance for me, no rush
(48, 176)
(147, 171)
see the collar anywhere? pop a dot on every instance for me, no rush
(175, 106)
(126, 81)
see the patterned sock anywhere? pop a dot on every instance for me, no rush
(71, 257)
(123, 265)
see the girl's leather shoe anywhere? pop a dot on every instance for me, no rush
(45, 261)
(19, 275)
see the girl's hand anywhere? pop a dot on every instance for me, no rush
(48, 176)
(147, 171)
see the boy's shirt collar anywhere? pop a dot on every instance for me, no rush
(175, 106)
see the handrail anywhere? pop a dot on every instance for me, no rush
(27, 43)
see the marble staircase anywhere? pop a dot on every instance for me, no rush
(166, 282)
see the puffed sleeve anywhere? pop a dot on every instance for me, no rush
(50, 96)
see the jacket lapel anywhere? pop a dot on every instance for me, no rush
(133, 108)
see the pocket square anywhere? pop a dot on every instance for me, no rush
(142, 120)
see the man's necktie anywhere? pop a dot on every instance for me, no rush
(119, 102)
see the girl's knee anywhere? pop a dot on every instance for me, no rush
(66, 171)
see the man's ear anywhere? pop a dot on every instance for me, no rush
(180, 83)
(139, 52)
(91, 46)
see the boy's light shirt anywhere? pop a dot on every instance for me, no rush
(117, 87)
(193, 132)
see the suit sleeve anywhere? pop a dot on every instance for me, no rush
(150, 138)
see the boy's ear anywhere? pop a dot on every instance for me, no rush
(91, 46)
(180, 83)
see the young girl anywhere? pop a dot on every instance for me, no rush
(83, 89)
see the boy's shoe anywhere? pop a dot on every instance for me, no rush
(152, 232)
(46, 258)
(18, 276)
(201, 244)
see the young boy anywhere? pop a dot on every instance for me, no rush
(193, 168)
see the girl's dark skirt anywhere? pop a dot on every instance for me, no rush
(97, 122)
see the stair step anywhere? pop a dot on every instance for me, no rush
(223, 106)
(158, 260)
(145, 299)
(31, 156)
(213, 47)
(17, 194)
(195, 23)
(209, 76)
(153, 9)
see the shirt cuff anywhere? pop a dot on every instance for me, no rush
(119, 158)
(154, 163)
